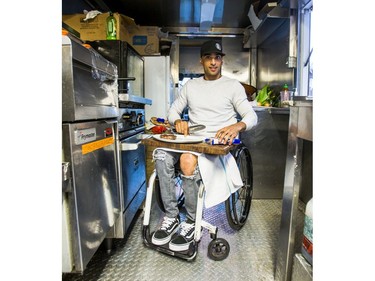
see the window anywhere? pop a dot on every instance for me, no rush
(305, 75)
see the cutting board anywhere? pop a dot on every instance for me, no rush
(196, 147)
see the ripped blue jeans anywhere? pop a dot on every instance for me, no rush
(165, 162)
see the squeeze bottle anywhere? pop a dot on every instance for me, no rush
(285, 93)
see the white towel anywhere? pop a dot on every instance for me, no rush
(220, 175)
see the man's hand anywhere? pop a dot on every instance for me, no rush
(227, 134)
(181, 127)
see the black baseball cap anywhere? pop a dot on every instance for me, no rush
(210, 47)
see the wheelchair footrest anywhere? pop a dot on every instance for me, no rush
(188, 255)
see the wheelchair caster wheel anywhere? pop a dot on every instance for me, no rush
(218, 249)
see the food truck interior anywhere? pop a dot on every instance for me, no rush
(268, 45)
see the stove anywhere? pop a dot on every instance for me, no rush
(132, 158)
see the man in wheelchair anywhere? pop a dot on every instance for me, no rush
(214, 101)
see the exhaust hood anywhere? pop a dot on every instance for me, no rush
(266, 20)
(269, 10)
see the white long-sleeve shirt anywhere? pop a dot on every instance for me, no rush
(213, 103)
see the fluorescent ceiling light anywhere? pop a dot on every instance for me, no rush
(207, 14)
(207, 10)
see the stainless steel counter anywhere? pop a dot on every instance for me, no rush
(272, 110)
(300, 130)
(267, 143)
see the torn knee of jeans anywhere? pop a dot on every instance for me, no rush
(159, 155)
(188, 177)
(193, 176)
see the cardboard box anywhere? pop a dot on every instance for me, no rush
(144, 39)
(95, 29)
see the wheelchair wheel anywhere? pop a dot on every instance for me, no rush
(237, 206)
(218, 249)
(179, 193)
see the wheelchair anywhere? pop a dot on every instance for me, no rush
(237, 208)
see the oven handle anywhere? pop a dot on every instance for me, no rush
(129, 146)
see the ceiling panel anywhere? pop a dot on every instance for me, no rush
(179, 13)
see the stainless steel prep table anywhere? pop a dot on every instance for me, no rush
(300, 129)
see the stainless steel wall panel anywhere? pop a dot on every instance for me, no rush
(236, 61)
(272, 58)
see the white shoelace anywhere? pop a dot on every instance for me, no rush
(185, 228)
(166, 223)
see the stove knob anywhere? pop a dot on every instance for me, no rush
(126, 116)
(130, 117)
(139, 119)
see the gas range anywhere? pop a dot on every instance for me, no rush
(131, 118)
(132, 157)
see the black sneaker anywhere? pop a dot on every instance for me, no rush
(163, 235)
(182, 241)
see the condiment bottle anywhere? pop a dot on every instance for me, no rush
(307, 240)
(111, 27)
(286, 92)
(284, 96)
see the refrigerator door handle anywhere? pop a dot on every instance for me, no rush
(130, 146)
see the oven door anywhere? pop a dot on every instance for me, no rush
(92, 204)
(133, 166)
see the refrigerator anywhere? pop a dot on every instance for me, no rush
(159, 86)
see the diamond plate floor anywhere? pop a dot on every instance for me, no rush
(252, 252)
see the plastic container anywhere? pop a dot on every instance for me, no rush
(111, 27)
(307, 239)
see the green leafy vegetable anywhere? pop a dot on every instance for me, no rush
(263, 97)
